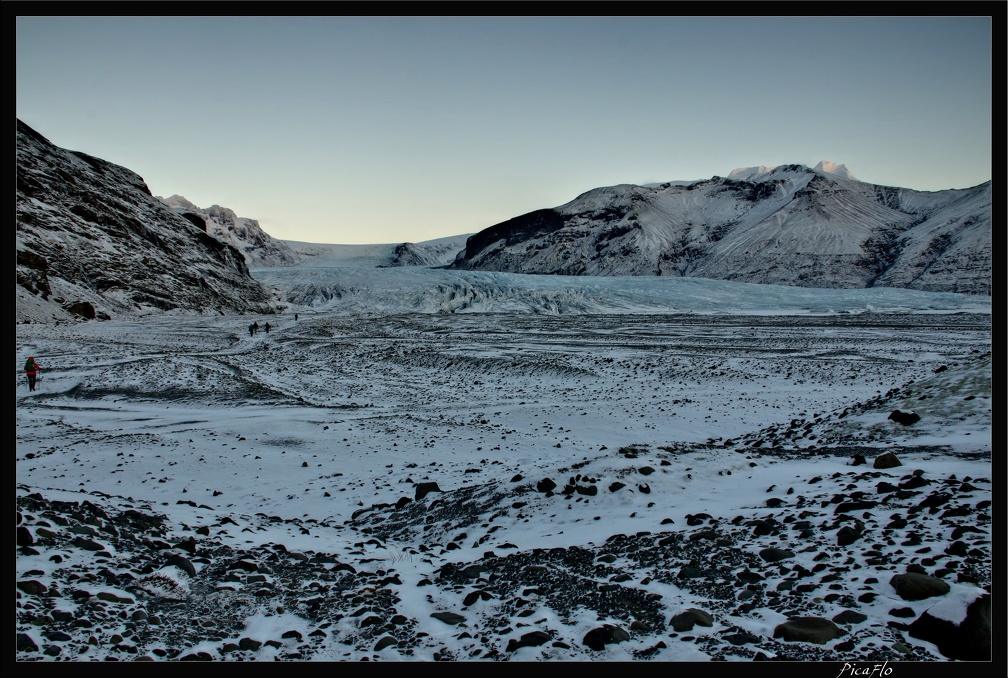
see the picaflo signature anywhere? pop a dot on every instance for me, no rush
(870, 671)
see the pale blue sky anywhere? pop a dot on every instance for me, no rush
(391, 129)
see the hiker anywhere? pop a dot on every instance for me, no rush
(295, 317)
(252, 329)
(31, 369)
(267, 328)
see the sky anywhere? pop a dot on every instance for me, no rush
(358, 129)
(340, 410)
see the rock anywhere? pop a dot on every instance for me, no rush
(25, 643)
(808, 629)
(546, 485)
(32, 587)
(182, 563)
(742, 638)
(187, 545)
(849, 617)
(87, 544)
(531, 639)
(847, 535)
(887, 460)
(423, 489)
(84, 309)
(598, 638)
(904, 418)
(687, 619)
(24, 536)
(966, 640)
(774, 554)
(915, 586)
(448, 617)
(749, 577)
(849, 506)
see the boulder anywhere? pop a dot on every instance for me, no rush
(423, 489)
(687, 619)
(808, 629)
(966, 640)
(772, 554)
(598, 638)
(887, 460)
(916, 586)
(904, 418)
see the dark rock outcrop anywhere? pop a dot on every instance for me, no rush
(967, 640)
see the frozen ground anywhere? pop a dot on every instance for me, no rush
(320, 435)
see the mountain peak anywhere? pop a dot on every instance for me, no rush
(748, 172)
(178, 202)
(833, 168)
(751, 173)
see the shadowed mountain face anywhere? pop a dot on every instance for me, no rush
(790, 225)
(93, 240)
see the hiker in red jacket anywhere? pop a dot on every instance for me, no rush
(32, 369)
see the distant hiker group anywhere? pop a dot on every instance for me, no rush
(254, 327)
(32, 370)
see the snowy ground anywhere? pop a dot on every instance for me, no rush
(317, 435)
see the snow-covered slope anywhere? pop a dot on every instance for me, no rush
(789, 225)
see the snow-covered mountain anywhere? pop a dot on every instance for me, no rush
(242, 233)
(789, 225)
(93, 242)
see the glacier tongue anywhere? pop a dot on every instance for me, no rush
(436, 290)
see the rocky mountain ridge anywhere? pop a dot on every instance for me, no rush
(93, 242)
(789, 225)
